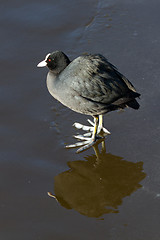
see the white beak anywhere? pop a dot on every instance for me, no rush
(42, 64)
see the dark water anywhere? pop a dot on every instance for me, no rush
(113, 194)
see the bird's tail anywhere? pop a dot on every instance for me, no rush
(133, 104)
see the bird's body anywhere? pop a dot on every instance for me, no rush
(89, 84)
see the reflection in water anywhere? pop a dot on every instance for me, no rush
(97, 186)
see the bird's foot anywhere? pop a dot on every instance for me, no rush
(87, 138)
(87, 143)
(101, 130)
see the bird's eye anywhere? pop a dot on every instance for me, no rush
(49, 60)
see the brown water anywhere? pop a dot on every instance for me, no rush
(112, 194)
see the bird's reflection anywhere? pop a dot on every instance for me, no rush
(97, 185)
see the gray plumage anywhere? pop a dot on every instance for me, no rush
(90, 85)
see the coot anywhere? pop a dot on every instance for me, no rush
(88, 85)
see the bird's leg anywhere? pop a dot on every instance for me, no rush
(101, 130)
(100, 123)
(88, 141)
(96, 123)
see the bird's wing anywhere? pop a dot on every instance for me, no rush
(95, 79)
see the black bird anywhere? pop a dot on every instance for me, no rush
(89, 85)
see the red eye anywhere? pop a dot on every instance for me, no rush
(49, 60)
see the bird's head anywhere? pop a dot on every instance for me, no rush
(56, 61)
